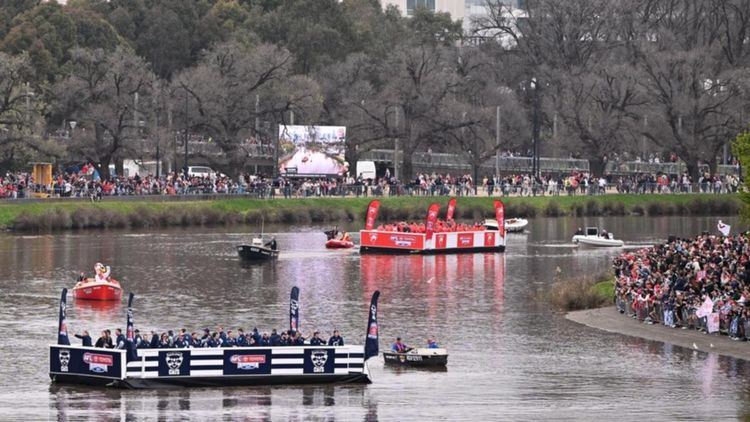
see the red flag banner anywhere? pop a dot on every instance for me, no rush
(372, 214)
(432, 215)
(451, 209)
(500, 217)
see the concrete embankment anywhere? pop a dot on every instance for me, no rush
(608, 319)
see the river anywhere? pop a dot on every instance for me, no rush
(510, 357)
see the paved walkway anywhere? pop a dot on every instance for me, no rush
(608, 319)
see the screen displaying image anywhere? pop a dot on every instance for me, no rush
(308, 150)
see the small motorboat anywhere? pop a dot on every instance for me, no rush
(593, 237)
(516, 225)
(93, 289)
(419, 357)
(338, 240)
(339, 244)
(259, 250)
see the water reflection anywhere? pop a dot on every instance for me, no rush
(261, 403)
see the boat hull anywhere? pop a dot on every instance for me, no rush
(339, 244)
(97, 291)
(415, 360)
(208, 367)
(597, 241)
(256, 253)
(516, 225)
(389, 242)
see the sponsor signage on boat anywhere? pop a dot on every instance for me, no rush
(392, 240)
(174, 363)
(85, 361)
(465, 240)
(489, 238)
(319, 361)
(247, 362)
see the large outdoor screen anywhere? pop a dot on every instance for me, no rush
(312, 150)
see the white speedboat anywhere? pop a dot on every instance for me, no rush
(516, 225)
(592, 237)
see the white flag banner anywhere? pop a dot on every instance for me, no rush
(706, 308)
(713, 323)
(723, 228)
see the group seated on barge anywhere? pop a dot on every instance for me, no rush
(434, 235)
(200, 367)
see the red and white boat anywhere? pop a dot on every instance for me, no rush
(484, 238)
(92, 289)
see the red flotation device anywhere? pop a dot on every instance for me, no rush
(339, 244)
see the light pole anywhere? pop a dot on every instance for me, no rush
(534, 85)
(187, 124)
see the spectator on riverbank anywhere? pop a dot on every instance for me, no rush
(701, 283)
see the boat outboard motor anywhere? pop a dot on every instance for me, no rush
(371, 340)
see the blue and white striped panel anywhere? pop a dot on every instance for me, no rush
(247, 361)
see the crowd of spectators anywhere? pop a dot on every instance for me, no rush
(701, 283)
(85, 182)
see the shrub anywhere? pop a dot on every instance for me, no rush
(553, 210)
(577, 293)
(592, 208)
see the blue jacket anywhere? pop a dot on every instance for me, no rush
(316, 341)
(85, 340)
(275, 340)
(336, 341)
(120, 342)
(241, 341)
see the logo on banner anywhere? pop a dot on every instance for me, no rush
(98, 363)
(319, 359)
(489, 239)
(293, 306)
(465, 240)
(174, 361)
(248, 362)
(402, 358)
(373, 237)
(64, 360)
(402, 240)
(372, 331)
(441, 241)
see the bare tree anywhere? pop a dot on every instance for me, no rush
(696, 93)
(105, 92)
(222, 91)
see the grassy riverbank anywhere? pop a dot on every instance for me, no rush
(113, 213)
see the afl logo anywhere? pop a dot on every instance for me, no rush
(248, 362)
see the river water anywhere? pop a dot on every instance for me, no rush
(510, 357)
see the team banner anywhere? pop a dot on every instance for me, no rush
(62, 326)
(372, 214)
(294, 309)
(130, 333)
(500, 217)
(86, 361)
(451, 209)
(432, 215)
(723, 228)
(371, 341)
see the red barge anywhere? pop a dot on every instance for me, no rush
(488, 238)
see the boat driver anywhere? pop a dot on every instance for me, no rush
(398, 346)
(432, 344)
(579, 232)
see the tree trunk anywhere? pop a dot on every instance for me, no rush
(407, 168)
(692, 168)
(596, 166)
(475, 174)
